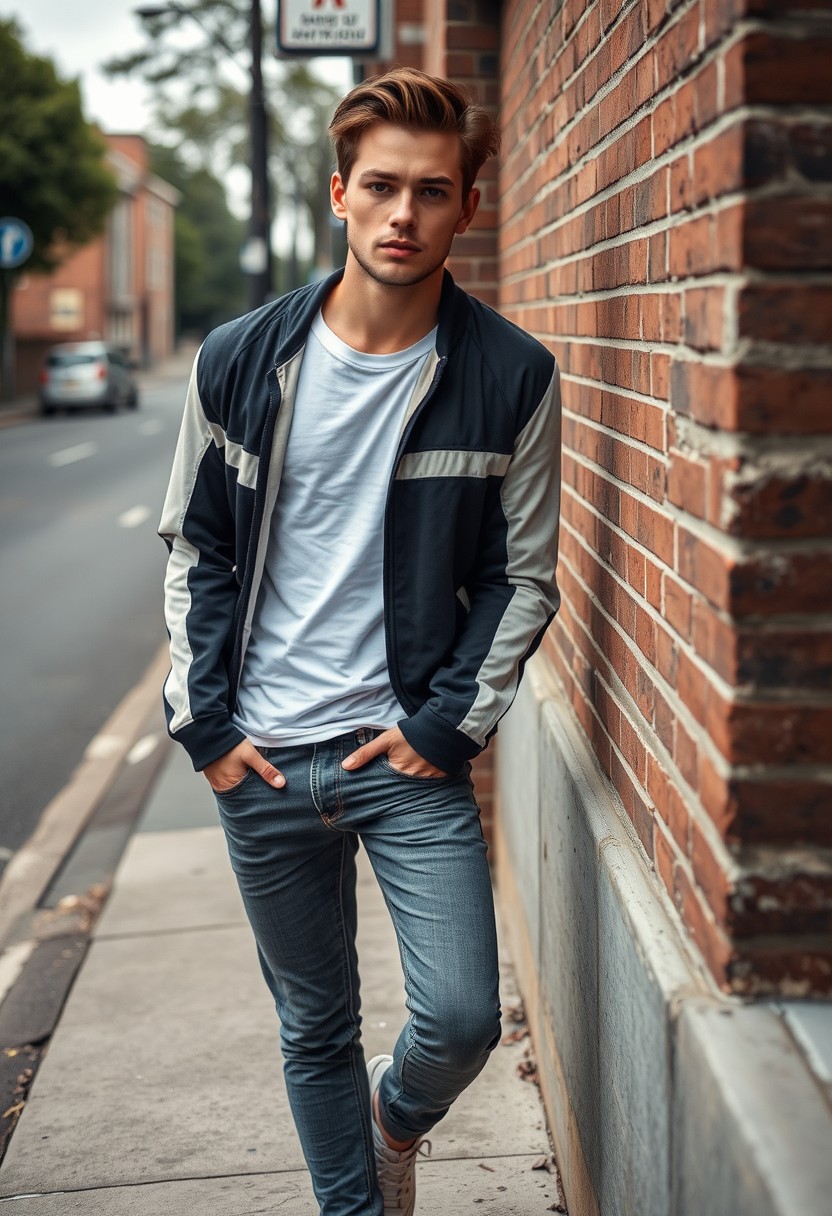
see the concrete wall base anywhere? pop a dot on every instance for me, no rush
(665, 1097)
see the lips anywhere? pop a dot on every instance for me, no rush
(401, 247)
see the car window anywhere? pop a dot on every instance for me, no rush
(65, 359)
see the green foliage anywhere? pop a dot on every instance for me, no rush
(53, 169)
(209, 285)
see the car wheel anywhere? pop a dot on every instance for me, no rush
(47, 411)
(133, 400)
(109, 407)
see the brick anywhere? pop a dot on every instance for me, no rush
(715, 639)
(801, 968)
(784, 658)
(752, 811)
(771, 506)
(705, 567)
(717, 949)
(774, 583)
(779, 733)
(788, 233)
(687, 483)
(794, 314)
(709, 874)
(686, 755)
(664, 857)
(677, 606)
(704, 323)
(797, 904)
(787, 70)
(754, 399)
(719, 165)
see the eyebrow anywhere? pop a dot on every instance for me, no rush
(392, 177)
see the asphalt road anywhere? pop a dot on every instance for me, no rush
(81, 570)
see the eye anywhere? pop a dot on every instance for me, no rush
(434, 192)
(378, 187)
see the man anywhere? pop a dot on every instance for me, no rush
(362, 521)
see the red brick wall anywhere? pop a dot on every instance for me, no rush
(665, 229)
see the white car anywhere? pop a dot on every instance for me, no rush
(76, 375)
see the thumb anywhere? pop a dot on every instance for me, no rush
(268, 772)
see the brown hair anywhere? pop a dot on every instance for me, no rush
(410, 98)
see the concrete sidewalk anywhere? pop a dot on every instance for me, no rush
(162, 1090)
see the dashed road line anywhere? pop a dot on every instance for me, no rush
(144, 748)
(80, 451)
(133, 517)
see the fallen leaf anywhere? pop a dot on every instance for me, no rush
(14, 1110)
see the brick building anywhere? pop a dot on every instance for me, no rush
(119, 287)
(661, 219)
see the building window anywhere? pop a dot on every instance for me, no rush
(66, 308)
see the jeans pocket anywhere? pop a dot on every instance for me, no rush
(397, 772)
(233, 789)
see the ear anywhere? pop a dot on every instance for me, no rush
(337, 191)
(469, 208)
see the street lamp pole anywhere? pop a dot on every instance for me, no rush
(256, 258)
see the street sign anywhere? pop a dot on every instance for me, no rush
(16, 242)
(328, 27)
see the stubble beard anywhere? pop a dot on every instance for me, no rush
(393, 277)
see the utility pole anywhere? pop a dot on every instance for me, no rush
(259, 278)
(256, 255)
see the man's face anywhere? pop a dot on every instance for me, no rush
(403, 202)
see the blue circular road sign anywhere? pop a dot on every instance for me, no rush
(16, 242)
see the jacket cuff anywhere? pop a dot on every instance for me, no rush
(436, 741)
(207, 739)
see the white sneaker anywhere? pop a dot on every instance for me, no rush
(396, 1171)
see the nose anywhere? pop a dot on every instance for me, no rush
(403, 215)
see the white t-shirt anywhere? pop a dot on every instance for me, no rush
(316, 663)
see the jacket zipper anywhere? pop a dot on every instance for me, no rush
(389, 621)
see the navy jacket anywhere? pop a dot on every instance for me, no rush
(470, 529)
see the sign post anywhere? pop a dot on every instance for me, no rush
(16, 245)
(307, 28)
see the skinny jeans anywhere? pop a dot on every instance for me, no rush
(293, 853)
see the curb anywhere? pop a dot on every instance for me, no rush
(30, 871)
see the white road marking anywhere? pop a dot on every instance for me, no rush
(103, 746)
(144, 748)
(12, 962)
(69, 455)
(152, 427)
(133, 517)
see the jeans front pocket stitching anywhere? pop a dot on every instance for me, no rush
(232, 790)
(385, 763)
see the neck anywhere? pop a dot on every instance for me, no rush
(379, 319)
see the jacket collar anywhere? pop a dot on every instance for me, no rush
(454, 307)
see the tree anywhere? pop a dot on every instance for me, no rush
(53, 169)
(209, 286)
(201, 87)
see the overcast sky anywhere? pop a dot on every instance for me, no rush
(80, 36)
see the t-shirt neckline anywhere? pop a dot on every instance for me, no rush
(358, 358)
